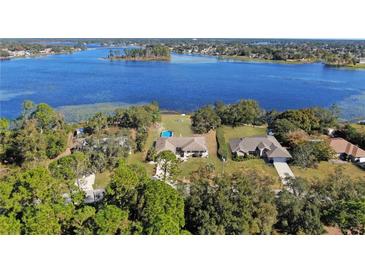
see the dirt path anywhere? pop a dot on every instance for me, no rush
(68, 148)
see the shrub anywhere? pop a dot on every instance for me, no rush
(151, 154)
(243, 158)
(141, 138)
(222, 144)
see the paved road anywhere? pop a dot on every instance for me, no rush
(284, 171)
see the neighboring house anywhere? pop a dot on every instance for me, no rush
(263, 146)
(362, 60)
(347, 151)
(79, 132)
(183, 147)
(81, 144)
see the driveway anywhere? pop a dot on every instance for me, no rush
(283, 170)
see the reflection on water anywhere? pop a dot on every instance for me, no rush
(183, 84)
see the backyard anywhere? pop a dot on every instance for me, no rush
(325, 169)
(177, 123)
(229, 166)
(180, 125)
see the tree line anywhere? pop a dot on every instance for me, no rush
(298, 129)
(36, 202)
(158, 52)
(39, 197)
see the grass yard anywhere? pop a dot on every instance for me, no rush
(359, 128)
(230, 166)
(102, 179)
(139, 157)
(327, 168)
(243, 131)
(179, 124)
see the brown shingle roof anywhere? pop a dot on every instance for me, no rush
(250, 144)
(340, 145)
(184, 143)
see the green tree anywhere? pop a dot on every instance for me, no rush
(282, 127)
(56, 144)
(160, 209)
(41, 220)
(349, 216)
(9, 225)
(308, 154)
(122, 189)
(69, 167)
(305, 119)
(237, 204)
(46, 117)
(28, 145)
(298, 210)
(112, 220)
(96, 123)
(28, 107)
(168, 164)
(204, 120)
(82, 222)
(245, 112)
(5, 134)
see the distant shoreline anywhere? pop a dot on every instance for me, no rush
(260, 60)
(35, 55)
(290, 62)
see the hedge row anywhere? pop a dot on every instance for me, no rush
(222, 144)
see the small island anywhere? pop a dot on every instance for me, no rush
(148, 53)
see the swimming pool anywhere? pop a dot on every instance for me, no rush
(167, 133)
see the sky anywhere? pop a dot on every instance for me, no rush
(184, 18)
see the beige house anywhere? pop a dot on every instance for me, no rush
(347, 151)
(263, 146)
(183, 147)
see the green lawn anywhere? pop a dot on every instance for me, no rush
(139, 157)
(327, 168)
(243, 131)
(102, 179)
(180, 125)
(359, 128)
(230, 166)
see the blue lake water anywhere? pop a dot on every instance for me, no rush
(183, 84)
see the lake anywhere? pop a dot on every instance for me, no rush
(183, 84)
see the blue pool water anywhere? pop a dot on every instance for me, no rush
(166, 133)
(183, 84)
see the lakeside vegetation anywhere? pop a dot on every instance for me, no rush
(147, 53)
(211, 196)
